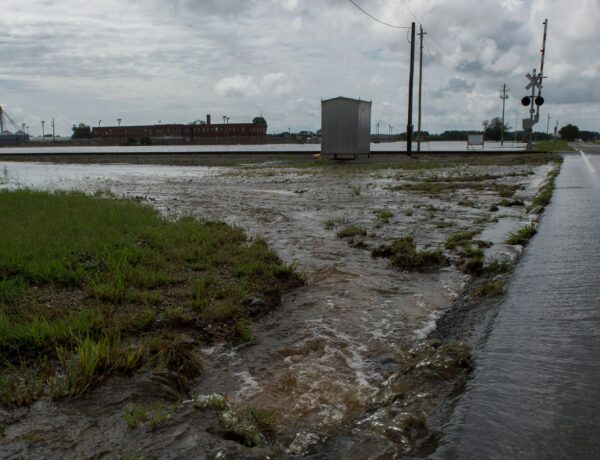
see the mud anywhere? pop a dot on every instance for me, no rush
(327, 362)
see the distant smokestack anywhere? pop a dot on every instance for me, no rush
(208, 119)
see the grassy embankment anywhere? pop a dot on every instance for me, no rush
(99, 286)
(552, 146)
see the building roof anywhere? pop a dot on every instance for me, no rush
(342, 98)
(6, 133)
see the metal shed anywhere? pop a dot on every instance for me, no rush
(345, 128)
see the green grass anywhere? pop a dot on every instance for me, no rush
(522, 235)
(460, 239)
(150, 415)
(510, 203)
(490, 289)
(544, 195)
(420, 163)
(438, 188)
(81, 276)
(351, 231)
(383, 215)
(552, 146)
(91, 362)
(498, 267)
(404, 255)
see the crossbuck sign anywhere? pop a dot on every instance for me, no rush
(534, 81)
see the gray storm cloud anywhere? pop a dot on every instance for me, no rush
(176, 60)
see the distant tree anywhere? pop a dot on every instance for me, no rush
(569, 132)
(82, 131)
(453, 135)
(146, 140)
(492, 130)
(540, 136)
(588, 135)
(259, 120)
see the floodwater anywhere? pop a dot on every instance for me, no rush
(291, 148)
(535, 392)
(324, 358)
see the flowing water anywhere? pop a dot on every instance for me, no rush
(322, 359)
(535, 392)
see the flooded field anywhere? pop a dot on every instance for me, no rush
(330, 364)
(449, 146)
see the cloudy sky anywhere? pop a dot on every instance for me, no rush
(177, 60)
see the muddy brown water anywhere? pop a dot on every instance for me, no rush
(321, 360)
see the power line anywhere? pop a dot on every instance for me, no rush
(393, 10)
(409, 10)
(377, 19)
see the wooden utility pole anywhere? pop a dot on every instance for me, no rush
(504, 97)
(421, 33)
(409, 125)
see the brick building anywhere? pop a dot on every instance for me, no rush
(195, 133)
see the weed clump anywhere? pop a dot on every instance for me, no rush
(403, 254)
(250, 426)
(91, 362)
(152, 416)
(383, 215)
(460, 239)
(175, 354)
(522, 235)
(498, 267)
(543, 197)
(510, 203)
(491, 289)
(351, 231)
(437, 359)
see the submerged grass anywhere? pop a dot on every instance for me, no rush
(403, 254)
(79, 273)
(351, 231)
(383, 215)
(490, 289)
(460, 239)
(438, 188)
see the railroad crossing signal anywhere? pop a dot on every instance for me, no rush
(526, 101)
(535, 80)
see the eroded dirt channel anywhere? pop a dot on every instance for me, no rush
(329, 362)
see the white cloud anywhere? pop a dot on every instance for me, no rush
(273, 84)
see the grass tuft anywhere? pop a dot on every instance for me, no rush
(351, 231)
(403, 254)
(491, 289)
(250, 426)
(522, 235)
(460, 239)
(383, 215)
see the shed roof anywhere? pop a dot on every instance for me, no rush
(342, 98)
